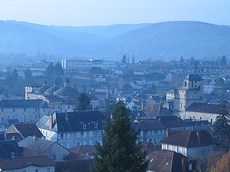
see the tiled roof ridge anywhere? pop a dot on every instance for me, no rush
(17, 131)
(49, 146)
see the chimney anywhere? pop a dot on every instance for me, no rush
(51, 121)
(66, 117)
(142, 105)
(167, 132)
(198, 138)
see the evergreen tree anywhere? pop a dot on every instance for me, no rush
(58, 81)
(28, 75)
(109, 104)
(223, 61)
(124, 59)
(84, 102)
(58, 70)
(221, 126)
(14, 76)
(133, 59)
(119, 151)
(50, 69)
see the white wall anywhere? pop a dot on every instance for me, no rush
(211, 117)
(75, 139)
(23, 114)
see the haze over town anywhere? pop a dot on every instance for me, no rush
(119, 85)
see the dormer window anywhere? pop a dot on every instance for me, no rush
(185, 84)
(84, 126)
(13, 154)
(96, 125)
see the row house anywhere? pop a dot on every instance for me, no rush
(23, 110)
(73, 129)
(150, 130)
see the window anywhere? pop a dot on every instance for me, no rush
(36, 170)
(48, 169)
(24, 171)
(13, 110)
(190, 167)
(54, 157)
(2, 119)
(96, 125)
(84, 126)
(13, 154)
(61, 136)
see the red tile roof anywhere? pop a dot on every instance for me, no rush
(165, 161)
(204, 108)
(39, 161)
(189, 139)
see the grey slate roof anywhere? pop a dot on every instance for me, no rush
(42, 89)
(73, 121)
(66, 91)
(52, 98)
(172, 121)
(26, 130)
(38, 144)
(194, 77)
(204, 108)
(189, 139)
(73, 100)
(51, 90)
(23, 104)
(38, 161)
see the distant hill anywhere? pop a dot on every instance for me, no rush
(167, 40)
(172, 40)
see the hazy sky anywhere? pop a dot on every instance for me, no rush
(106, 12)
